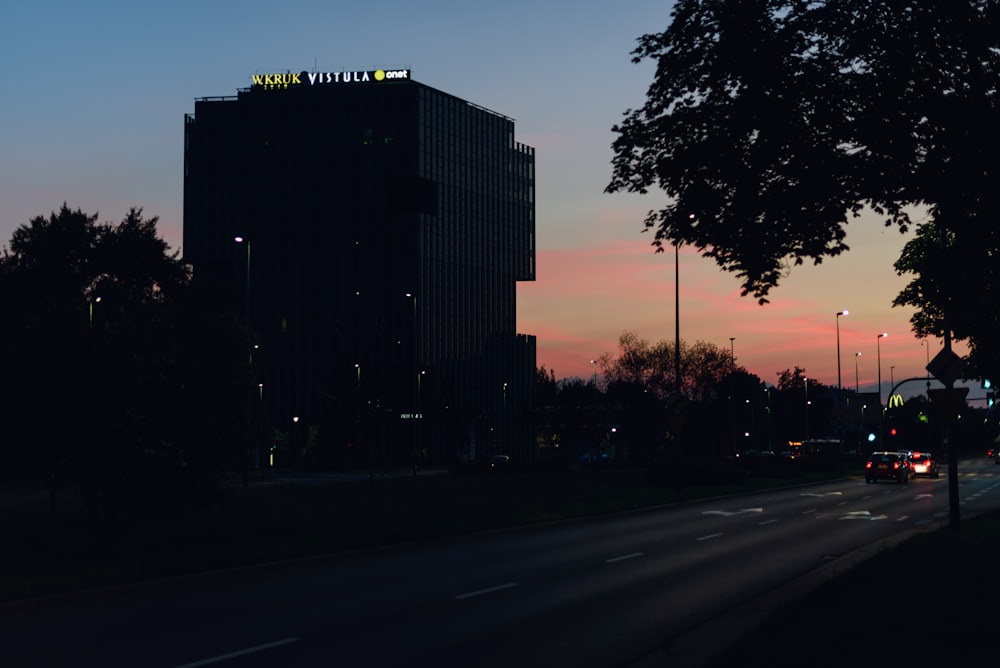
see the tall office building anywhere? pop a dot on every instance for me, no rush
(369, 230)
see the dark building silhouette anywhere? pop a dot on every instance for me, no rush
(384, 226)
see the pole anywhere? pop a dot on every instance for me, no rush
(415, 381)
(954, 512)
(839, 313)
(677, 319)
(878, 354)
(246, 334)
(856, 385)
(732, 390)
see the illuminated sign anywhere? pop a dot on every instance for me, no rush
(297, 79)
(896, 401)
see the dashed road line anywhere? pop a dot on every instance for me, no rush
(241, 652)
(490, 590)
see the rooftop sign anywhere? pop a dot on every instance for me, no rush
(296, 79)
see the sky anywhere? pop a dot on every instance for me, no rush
(95, 94)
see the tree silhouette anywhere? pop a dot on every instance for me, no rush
(770, 124)
(119, 379)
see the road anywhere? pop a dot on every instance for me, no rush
(600, 592)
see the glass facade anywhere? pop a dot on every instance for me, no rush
(385, 226)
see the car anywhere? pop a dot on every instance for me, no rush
(499, 460)
(907, 456)
(887, 466)
(924, 463)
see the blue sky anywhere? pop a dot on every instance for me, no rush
(93, 104)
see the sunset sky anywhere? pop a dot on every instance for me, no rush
(94, 98)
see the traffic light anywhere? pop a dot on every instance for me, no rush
(989, 399)
(986, 383)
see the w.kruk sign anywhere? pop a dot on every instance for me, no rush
(297, 79)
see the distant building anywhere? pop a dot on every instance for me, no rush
(384, 227)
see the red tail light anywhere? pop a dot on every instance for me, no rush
(895, 465)
(868, 465)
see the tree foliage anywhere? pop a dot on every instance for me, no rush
(118, 379)
(770, 124)
(969, 286)
(653, 367)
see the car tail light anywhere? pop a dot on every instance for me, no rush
(895, 465)
(868, 465)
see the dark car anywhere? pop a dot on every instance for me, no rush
(924, 463)
(887, 466)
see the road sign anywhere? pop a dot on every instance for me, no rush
(948, 400)
(946, 366)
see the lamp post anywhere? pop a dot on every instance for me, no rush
(246, 333)
(91, 305)
(856, 386)
(246, 292)
(732, 389)
(416, 381)
(839, 313)
(878, 353)
(597, 431)
(806, 385)
(677, 317)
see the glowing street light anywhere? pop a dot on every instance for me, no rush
(856, 356)
(839, 313)
(878, 352)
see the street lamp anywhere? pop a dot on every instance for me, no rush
(246, 333)
(856, 356)
(92, 302)
(416, 384)
(878, 352)
(243, 240)
(839, 313)
(732, 388)
(594, 416)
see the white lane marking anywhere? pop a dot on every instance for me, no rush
(760, 524)
(729, 513)
(806, 512)
(242, 652)
(924, 496)
(623, 557)
(863, 515)
(709, 536)
(490, 590)
(823, 494)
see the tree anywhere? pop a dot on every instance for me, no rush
(118, 377)
(546, 386)
(970, 289)
(652, 367)
(771, 123)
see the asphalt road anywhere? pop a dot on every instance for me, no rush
(639, 589)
